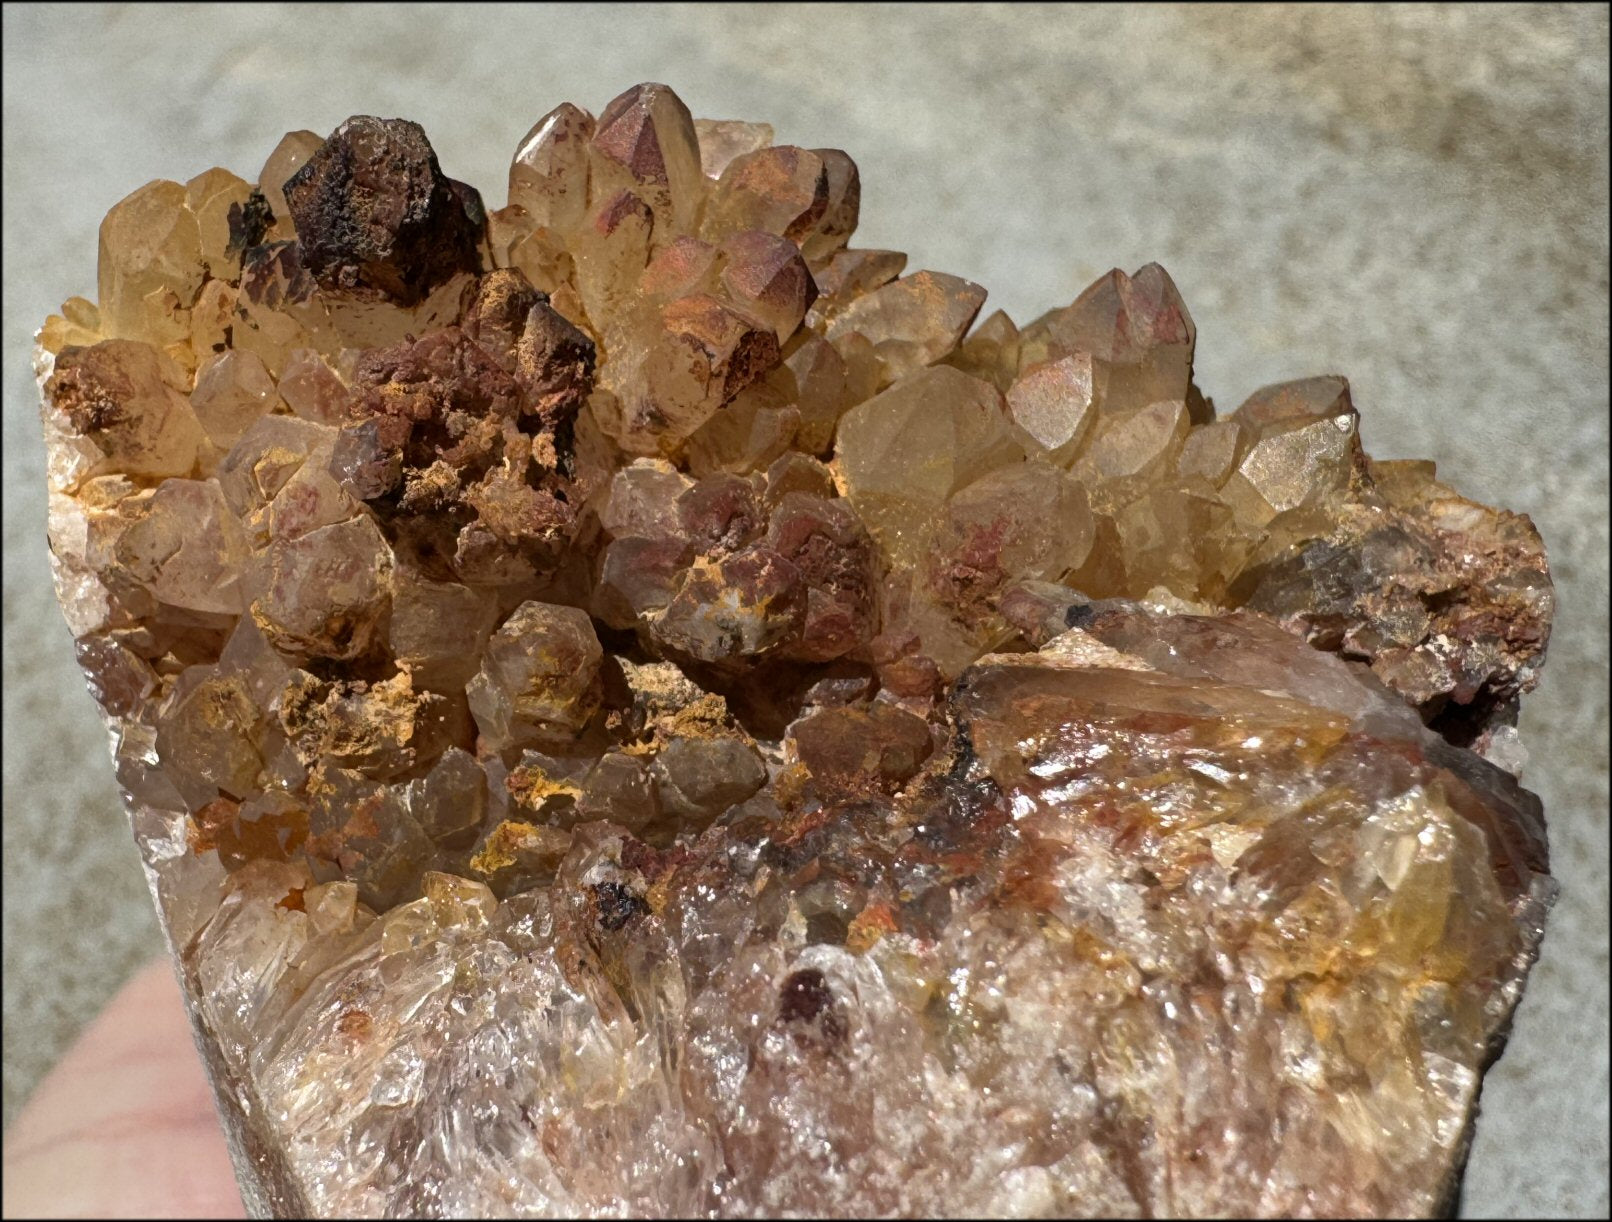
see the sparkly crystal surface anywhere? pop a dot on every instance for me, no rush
(630, 704)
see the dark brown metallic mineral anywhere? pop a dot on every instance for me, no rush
(376, 216)
(551, 359)
(554, 365)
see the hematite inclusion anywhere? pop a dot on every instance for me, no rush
(629, 705)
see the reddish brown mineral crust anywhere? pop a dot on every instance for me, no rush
(629, 706)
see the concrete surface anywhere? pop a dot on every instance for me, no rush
(1413, 196)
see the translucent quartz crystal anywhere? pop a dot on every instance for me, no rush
(219, 200)
(644, 143)
(548, 179)
(630, 706)
(233, 390)
(539, 676)
(911, 322)
(722, 140)
(289, 156)
(150, 264)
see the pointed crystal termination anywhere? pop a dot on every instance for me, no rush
(629, 706)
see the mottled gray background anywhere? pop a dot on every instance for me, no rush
(1413, 196)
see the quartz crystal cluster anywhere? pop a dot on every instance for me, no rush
(632, 704)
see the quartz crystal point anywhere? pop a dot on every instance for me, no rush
(628, 706)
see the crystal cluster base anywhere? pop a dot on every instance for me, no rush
(630, 704)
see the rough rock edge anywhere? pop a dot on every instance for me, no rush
(268, 1186)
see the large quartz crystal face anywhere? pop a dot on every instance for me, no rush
(630, 704)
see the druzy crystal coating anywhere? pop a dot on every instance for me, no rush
(631, 704)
